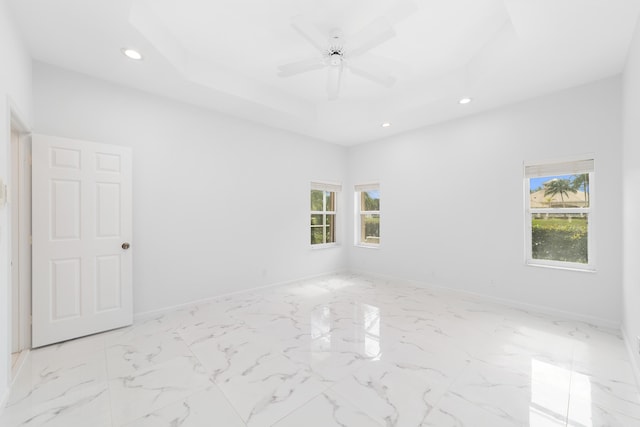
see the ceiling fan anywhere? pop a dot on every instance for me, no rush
(337, 52)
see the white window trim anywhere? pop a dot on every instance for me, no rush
(529, 212)
(359, 188)
(334, 188)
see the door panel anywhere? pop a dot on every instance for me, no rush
(65, 288)
(65, 158)
(82, 213)
(65, 210)
(108, 209)
(108, 283)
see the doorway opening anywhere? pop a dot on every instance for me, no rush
(20, 220)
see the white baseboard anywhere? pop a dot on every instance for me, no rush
(159, 311)
(3, 398)
(532, 308)
(568, 315)
(591, 320)
(15, 372)
(631, 350)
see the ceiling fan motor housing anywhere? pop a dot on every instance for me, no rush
(335, 58)
(335, 47)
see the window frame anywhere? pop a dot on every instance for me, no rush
(590, 266)
(325, 187)
(358, 190)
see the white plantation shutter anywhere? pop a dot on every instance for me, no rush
(561, 168)
(367, 187)
(326, 186)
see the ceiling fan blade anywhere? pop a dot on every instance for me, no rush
(372, 35)
(374, 68)
(333, 82)
(310, 32)
(491, 53)
(380, 29)
(401, 10)
(299, 67)
(376, 76)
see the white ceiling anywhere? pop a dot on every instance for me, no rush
(224, 54)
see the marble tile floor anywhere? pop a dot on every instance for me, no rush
(342, 350)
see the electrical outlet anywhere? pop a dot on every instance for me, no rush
(638, 344)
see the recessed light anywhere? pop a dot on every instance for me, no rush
(464, 101)
(132, 54)
(386, 125)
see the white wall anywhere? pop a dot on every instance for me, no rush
(631, 199)
(15, 93)
(220, 204)
(452, 201)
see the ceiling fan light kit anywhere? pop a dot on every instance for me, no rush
(335, 59)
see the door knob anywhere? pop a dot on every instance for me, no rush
(125, 245)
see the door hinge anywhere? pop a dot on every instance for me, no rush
(31, 240)
(30, 160)
(31, 319)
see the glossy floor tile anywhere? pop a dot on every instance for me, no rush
(342, 350)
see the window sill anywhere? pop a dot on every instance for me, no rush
(561, 267)
(324, 246)
(367, 246)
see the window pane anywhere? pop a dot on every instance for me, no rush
(316, 200)
(316, 219)
(316, 235)
(323, 225)
(370, 228)
(330, 231)
(559, 237)
(561, 191)
(330, 196)
(370, 200)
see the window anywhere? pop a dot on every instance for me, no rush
(368, 214)
(323, 212)
(559, 214)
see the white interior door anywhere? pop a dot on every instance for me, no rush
(82, 229)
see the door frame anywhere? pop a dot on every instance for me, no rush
(22, 247)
